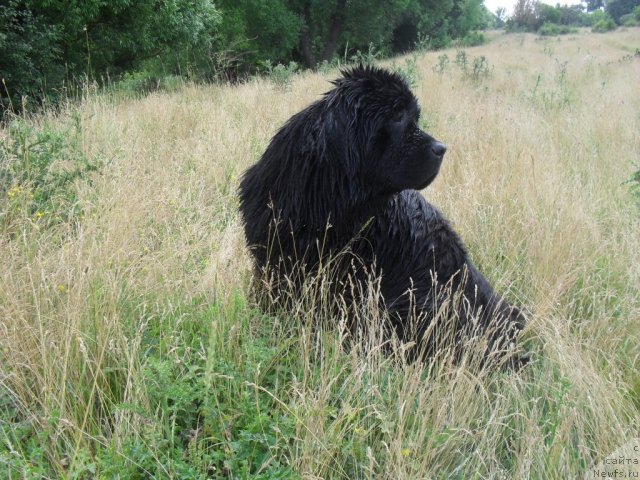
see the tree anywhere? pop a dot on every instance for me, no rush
(31, 54)
(258, 30)
(501, 17)
(332, 24)
(618, 8)
(53, 41)
(524, 15)
(593, 5)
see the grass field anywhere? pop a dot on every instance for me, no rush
(130, 346)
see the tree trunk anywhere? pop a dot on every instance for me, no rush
(305, 38)
(337, 23)
(307, 51)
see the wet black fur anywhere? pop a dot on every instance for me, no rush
(344, 171)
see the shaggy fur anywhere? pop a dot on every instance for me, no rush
(344, 172)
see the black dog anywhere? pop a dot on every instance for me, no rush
(344, 172)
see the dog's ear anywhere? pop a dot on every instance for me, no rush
(341, 142)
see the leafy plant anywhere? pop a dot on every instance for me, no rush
(552, 29)
(604, 25)
(480, 68)
(409, 72)
(280, 74)
(38, 168)
(472, 39)
(462, 60)
(441, 66)
(366, 58)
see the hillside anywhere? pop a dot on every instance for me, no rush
(130, 344)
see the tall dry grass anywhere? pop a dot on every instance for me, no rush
(533, 180)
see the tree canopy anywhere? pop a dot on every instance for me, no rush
(48, 44)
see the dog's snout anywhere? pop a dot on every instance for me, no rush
(438, 149)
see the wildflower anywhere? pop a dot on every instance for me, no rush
(14, 191)
(39, 214)
(62, 288)
(405, 452)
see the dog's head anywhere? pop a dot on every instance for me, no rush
(373, 116)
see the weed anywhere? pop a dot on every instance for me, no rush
(366, 58)
(38, 168)
(634, 182)
(409, 72)
(443, 61)
(462, 61)
(472, 39)
(280, 75)
(480, 68)
(557, 95)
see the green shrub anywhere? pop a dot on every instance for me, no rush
(629, 20)
(38, 169)
(443, 61)
(472, 39)
(367, 58)
(409, 72)
(461, 60)
(604, 25)
(280, 74)
(480, 67)
(551, 29)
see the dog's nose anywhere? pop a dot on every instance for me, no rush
(438, 149)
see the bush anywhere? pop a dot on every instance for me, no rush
(281, 75)
(472, 39)
(604, 25)
(48, 45)
(38, 169)
(550, 29)
(631, 19)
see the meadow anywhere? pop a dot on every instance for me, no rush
(131, 345)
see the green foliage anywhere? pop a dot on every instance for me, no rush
(481, 68)
(368, 57)
(409, 72)
(54, 46)
(212, 415)
(473, 68)
(206, 411)
(472, 39)
(618, 8)
(443, 62)
(143, 82)
(533, 16)
(604, 25)
(555, 93)
(54, 43)
(38, 169)
(31, 54)
(631, 19)
(551, 29)
(462, 61)
(258, 30)
(280, 74)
